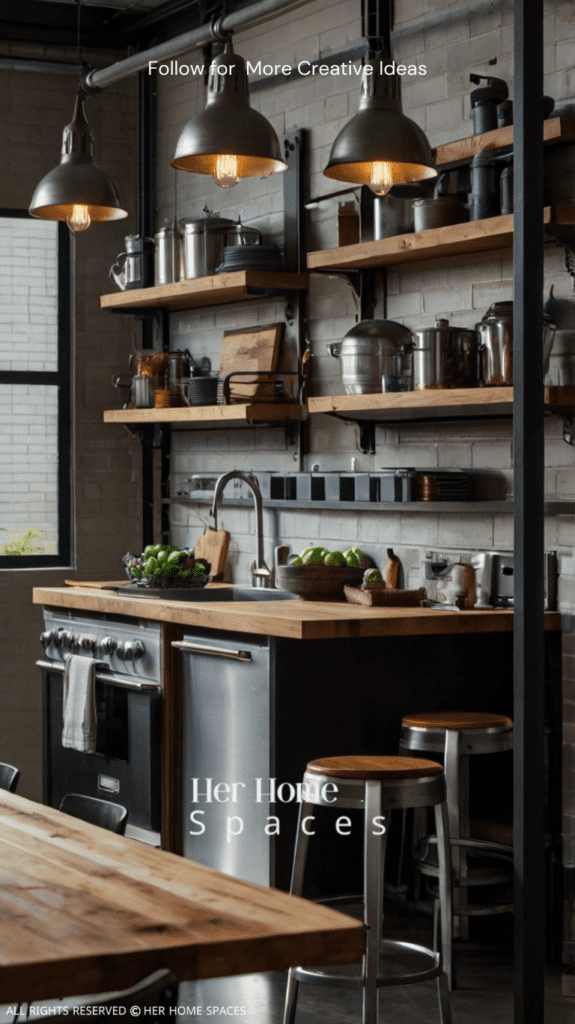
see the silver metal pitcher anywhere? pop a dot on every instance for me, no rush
(129, 269)
(495, 331)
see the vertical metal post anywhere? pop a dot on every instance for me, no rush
(146, 182)
(528, 440)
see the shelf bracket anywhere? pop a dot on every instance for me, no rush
(366, 436)
(569, 431)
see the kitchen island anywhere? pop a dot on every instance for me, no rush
(255, 689)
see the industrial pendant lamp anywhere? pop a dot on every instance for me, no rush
(228, 139)
(77, 191)
(380, 146)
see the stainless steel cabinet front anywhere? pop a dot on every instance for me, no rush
(226, 748)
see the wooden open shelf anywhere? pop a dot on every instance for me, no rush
(206, 416)
(433, 404)
(554, 128)
(205, 291)
(472, 236)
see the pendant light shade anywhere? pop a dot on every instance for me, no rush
(380, 146)
(228, 139)
(77, 191)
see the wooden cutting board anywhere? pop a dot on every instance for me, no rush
(213, 546)
(250, 350)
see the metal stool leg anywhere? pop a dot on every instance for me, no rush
(374, 854)
(453, 779)
(296, 887)
(445, 897)
(444, 997)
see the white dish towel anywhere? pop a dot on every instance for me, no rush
(80, 721)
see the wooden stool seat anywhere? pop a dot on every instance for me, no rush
(456, 720)
(362, 767)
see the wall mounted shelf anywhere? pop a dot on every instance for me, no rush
(453, 240)
(458, 402)
(452, 153)
(203, 417)
(216, 290)
(553, 506)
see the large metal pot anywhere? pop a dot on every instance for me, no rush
(495, 332)
(369, 351)
(444, 357)
(205, 239)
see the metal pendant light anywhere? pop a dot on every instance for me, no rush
(228, 139)
(380, 146)
(77, 191)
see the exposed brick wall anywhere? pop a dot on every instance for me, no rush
(33, 111)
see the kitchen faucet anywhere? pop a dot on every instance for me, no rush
(261, 575)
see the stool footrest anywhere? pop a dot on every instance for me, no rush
(391, 970)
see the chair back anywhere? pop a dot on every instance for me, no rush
(104, 813)
(9, 777)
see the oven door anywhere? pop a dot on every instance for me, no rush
(126, 766)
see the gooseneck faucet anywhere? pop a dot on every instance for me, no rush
(261, 575)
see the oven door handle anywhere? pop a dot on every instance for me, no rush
(106, 677)
(183, 645)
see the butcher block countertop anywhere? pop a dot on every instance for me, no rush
(297, 620)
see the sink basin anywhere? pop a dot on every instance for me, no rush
(207, 594)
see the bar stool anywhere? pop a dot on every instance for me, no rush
(458, 735)
(378, 785)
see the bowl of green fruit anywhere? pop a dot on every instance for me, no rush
(320, 575)
(162, 567)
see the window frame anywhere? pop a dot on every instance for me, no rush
(62, 379)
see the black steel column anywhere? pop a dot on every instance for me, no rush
(528, 440)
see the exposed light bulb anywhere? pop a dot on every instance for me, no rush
(79, 219)
(381, 177)
(227, 171)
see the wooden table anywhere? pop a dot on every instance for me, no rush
(85, 911)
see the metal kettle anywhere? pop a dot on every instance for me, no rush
(129, 270)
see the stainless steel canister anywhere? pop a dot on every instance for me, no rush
(495, 332)
(204, 242)
(444, 357)
(169, 254)
(391, 216)
(367, 353)
(437, 212)
(205, 239)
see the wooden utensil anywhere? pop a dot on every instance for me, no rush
(213, 546)
(250, 350)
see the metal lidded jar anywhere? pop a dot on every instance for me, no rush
(495, 332)
(444, 357)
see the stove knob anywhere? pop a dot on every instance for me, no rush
(87, 644)
(139, 649)
(108, 645)
(66, 638)
(48, 637)
(57, 638)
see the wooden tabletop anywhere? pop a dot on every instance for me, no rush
(298, 620)
(86, 911)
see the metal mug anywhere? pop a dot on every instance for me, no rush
(144, 391)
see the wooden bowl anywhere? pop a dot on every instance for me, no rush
(317, 582)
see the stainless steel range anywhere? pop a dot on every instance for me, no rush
(127, 763)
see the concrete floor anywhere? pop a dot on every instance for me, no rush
(484, 994)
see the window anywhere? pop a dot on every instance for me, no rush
(35, 408)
